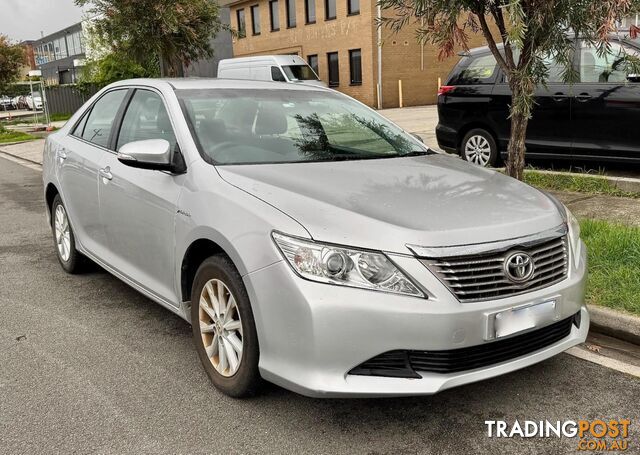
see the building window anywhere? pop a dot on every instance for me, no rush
(334, 70)
(255, 19)
(242, 26)
(291, 13)
(310, 11)
(313, 63)
(273, 13)
(355, 66)
(329, 9)
(353, 7)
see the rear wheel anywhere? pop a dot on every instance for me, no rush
(479, 147)
(71, 260)
(224, 332)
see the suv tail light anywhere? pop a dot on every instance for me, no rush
(446, 89)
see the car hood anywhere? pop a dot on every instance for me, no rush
(385, 204)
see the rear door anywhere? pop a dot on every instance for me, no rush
(138, 206)
(606, 105)
(549, 132)
(79, 156)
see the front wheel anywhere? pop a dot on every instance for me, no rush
(224, 332)
(479, 147)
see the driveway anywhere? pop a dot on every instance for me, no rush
(90, 365)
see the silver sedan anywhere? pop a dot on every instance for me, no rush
(310, 241)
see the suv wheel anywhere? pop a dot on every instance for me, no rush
(223, 328)
(71, 260)
(479, 147)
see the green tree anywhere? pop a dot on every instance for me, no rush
(12, 58)
(114, 67)
(531, 30)
(176, 32)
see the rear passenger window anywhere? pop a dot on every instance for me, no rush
(100, 120)
(146, 118)
(481, 70)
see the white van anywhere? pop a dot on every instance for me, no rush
(282, 68)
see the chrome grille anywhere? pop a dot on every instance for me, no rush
(482, 276)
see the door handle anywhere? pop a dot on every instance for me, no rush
(105, 173)
(559, 96)
(582, 97)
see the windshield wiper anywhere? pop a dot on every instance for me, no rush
(419, 153)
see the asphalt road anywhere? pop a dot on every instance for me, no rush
(89, 365)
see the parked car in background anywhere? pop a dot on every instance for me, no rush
(5, 103)
(596, 118)
(19, 102)
(34, 101)
(312, 242)
(279, 68)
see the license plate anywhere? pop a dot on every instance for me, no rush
(519, 319)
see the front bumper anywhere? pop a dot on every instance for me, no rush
(312, 334)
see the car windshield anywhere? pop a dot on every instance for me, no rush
(277, 126)
(299, 73)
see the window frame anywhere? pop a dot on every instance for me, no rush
(242, 31)
(335, 83)
(350, 11)
(291, 13)
(351, 67)
(317, 68)
(256, 26)
(306, 12)
(326, 10)
(276, 16)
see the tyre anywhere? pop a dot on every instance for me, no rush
(71, 260)
(479, 147)
(224, 331)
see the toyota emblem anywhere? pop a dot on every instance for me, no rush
(519, 267)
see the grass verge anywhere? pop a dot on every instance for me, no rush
(576, 183)
(7, 136)
(614, 265)
(59, 117)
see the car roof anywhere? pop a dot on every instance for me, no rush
(197, 83)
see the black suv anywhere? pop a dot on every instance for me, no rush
(597, 118)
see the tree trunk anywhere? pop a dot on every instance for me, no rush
(519, 121)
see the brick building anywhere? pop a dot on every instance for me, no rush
(339, 39)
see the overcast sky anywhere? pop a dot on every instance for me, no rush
(25, 19)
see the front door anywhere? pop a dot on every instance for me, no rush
(79, 155)
(606, 105)
(138, 206)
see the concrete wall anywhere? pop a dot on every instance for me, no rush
(222, 48)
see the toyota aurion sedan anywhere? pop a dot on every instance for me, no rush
(310, 241)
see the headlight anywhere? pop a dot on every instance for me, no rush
(574, 235)
(344, 266)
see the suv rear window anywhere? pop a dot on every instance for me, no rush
(476, 70)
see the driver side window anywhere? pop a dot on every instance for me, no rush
(146, 118)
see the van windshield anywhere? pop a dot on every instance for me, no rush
(250, 126)
(299, 73)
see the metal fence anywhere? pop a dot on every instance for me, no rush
(66, 99)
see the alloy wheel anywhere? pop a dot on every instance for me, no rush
(62, 233)
(220, 327)
(477, 150)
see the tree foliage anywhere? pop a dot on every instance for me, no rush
(530, 30)
(114, 67)
(12, 58)
(175, 31)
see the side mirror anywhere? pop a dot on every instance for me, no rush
(150, 154)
